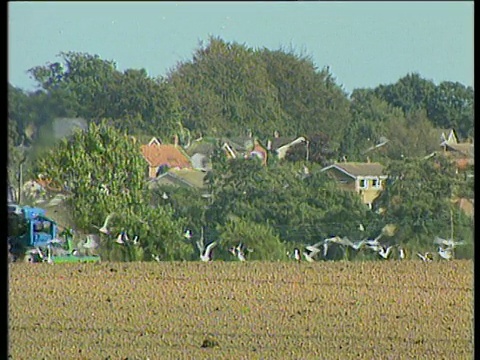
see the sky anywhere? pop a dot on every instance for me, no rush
(365, 44)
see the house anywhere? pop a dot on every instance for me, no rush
(367, 179)
(164, 156)
(281, 144)
(448, 137)
(244, 147)
(463, 154)
(180, 177)
(200, 152)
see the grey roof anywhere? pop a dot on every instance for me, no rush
(358, 169)
(280, 141)
(201, 147)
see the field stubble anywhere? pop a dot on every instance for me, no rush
(253, 310)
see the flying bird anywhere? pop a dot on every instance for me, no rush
(450, 242)
(187, 234)
(446, 253)
(122, 238)
(385, 252)
(296, 254)
(401, 253)
(427, 257)
(90, 242)
(104, 228)
(205, 252)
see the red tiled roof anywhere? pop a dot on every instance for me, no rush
(157, 155)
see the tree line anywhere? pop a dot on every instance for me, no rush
(227, 89)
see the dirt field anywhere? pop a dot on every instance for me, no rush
(251, 310)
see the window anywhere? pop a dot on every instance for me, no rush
(362, 184)
(376, 183)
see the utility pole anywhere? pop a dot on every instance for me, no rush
(20, 180)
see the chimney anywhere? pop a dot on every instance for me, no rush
(175, 140)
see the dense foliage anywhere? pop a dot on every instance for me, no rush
(228, 89)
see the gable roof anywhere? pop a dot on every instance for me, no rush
(445, 135)
(278, 142)
(155, 141)
(355, 169)
(165, 154)
(182, 177)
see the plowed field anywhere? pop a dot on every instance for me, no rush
(251, 310)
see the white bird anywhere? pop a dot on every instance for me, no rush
(427, 257)
(338, 240)
(205, 252)
(325, 250)
(104, 228)
(450, 242)
(187, 234)
(401, 253)
(238, 251)
(156, 258)
(314, 247)
(446, 253)
(135, 240)
(361, 227)
(309, 255)
(373, 242)
(358, 244)
(384, 252)
(122, 238)
(90, 242)
(296, 254)
(164, 196)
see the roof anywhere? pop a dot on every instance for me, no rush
(185, 177)
(202, 147)
(445, 135)
(164, 154)
(464, 148)
(355, 169)
(243, 143)
(280, 141)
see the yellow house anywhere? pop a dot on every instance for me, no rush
(367, 179)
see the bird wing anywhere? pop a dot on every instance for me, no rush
(107, 219)
(210, 247)
(200, 245)
(439, 240)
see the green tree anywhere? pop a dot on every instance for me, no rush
(418, 200)
(105, 173)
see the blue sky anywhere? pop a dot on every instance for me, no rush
(364, 43)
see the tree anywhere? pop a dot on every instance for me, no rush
(418, 199)
(104, 171)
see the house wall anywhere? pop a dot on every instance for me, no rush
(368, 193)
(371, 189)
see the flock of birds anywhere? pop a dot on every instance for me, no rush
(310, 253)
(445, 248)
